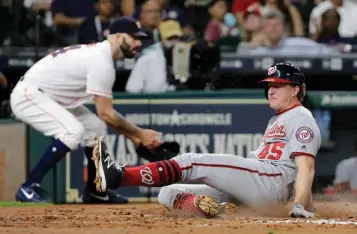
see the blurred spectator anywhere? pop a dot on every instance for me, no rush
(127, 7)
(239, 7)
(173, 12)
(305, 8)
(293, 21)
(279, 44)
(96, 29)
(217, 28)
(149, 74)
(43, 7)
(346, 9)
(39, 17)
(170, 11)
(150, 17)
(197, 15)
(6, 22)
(327, 32)
(253, 26)
(69, 15)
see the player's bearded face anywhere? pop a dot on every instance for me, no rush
(129, 46)
(281, 95)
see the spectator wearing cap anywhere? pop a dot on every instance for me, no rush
(149, 74)
(348, 14)
(96, 29)
(176, 13)
(69, 15)
(279, 44)
(216, 27)
(253, 25)
(239, 7)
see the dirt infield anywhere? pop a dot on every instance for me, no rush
(152, 218)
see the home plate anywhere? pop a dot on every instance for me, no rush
(319, 221)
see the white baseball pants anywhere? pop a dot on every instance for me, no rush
(74, 127)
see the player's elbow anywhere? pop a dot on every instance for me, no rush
(305, 163)
(306, 168)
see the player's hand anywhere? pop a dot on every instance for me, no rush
(150, 138)
(298, 211)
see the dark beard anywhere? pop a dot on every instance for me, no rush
(127, 52)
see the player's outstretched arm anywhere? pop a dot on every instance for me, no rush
(106, 112)
(304, 179)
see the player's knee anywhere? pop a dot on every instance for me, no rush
(98, 129)
(165, 196)
(186, 159)
(73, 137)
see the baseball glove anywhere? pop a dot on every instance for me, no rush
(165, 151)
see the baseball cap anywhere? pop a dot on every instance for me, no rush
(252, 9)
(284, 73)
(127, 25)
(170, 28)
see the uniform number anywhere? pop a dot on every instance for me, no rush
(64, 50)
(272, 151)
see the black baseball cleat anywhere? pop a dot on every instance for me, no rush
(108, 174)
(90, 196)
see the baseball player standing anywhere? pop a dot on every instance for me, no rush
(285, 157)
(50, 98)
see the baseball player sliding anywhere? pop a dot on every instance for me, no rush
(50, 98)
(284, 158)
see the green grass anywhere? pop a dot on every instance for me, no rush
(22, 204)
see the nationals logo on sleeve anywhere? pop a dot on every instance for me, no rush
(304, 135)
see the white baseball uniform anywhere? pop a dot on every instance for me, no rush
(51, 94)
(346, 172)
(269, 177)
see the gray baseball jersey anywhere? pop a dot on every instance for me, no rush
(293, 132)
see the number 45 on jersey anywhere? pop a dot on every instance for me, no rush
(272, 151)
